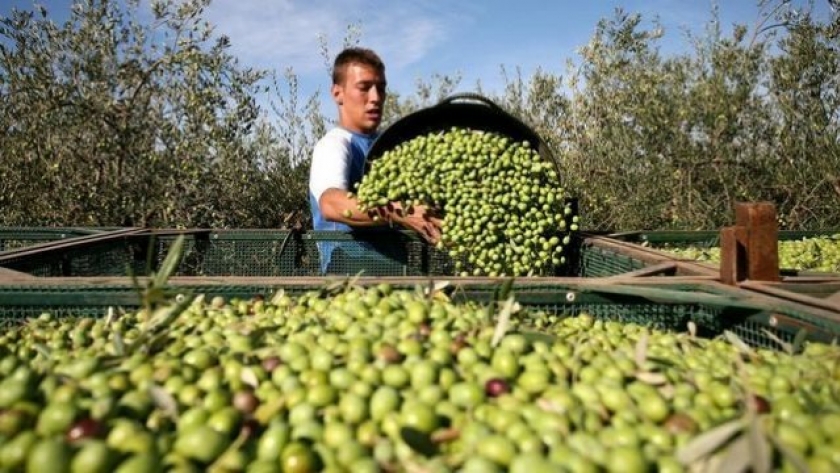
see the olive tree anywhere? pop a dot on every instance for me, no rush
(114, 119)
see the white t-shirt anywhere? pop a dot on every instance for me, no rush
(338, 161)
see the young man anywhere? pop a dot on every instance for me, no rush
(338, 160)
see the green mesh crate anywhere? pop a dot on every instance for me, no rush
(602, 262)
(271, 253)
(703, 239)
(672, 309)
(233, 253)
(107, 257)
(708, 242)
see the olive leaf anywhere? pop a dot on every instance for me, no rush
(110, 317)
(249, 377)
(503, 291)
(692, 328)
(641, 350)
(269, 410)
(737, 342)
(736, 458)
(667, 391)
(353, 281)
(662, 362)
(799, 341)
(119, 344)
(436, 286)
(654, 379)
(760, 455)
(811, 405)
(170, 262)
(164, 316)
(43, 350)
(533, 336)
(794, 458)
(333, 286)
(198, 301)
(504, 321)
(278, 296)
(787, 347)
(156, 343)
(164, 401)
(709, 441)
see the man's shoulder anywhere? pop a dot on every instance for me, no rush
(335, 137)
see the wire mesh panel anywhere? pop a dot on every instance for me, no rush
(234, 253)
(370, 253)
(112, 257)
(21, 237)
(270, 253)
(601, 262)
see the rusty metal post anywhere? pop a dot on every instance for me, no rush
(762, 246)
(733, 255)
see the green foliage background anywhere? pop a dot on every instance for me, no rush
(101, 125)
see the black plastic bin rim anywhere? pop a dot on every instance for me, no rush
(467, 110)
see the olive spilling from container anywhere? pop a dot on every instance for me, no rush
(504, 210)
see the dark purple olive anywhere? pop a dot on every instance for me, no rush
(759, 403)
(85, 429)
(245, 402)
(495, 387)
(389, 354)
(270, 363)
(250, 429)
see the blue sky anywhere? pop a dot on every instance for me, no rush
(424, 37)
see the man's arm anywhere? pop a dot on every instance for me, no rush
(336, 206)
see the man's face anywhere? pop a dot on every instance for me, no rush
(360, 98)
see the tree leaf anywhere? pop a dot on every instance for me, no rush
(793, 457)
(170, 262)
(667, 391)
(119, 344)
(533, 336)
(736, 458)
(737, 342)
(799, 341)
(708, 441)
(164, 401)
(164, 316)
(641, 350)
(811, 405)
(504, 290)
(664, 362)
(759, 449)
(787, 347)
(654, 379)
(278, 296)
(249, 377)
(43, 350)
(692, 328)
(503, 323)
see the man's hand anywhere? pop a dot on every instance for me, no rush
(336, 206)
(422, 220)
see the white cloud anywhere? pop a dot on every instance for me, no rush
(279, 34)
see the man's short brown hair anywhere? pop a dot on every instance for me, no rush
(355, 55)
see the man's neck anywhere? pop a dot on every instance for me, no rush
(356, 131)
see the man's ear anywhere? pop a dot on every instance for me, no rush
(337, 94)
